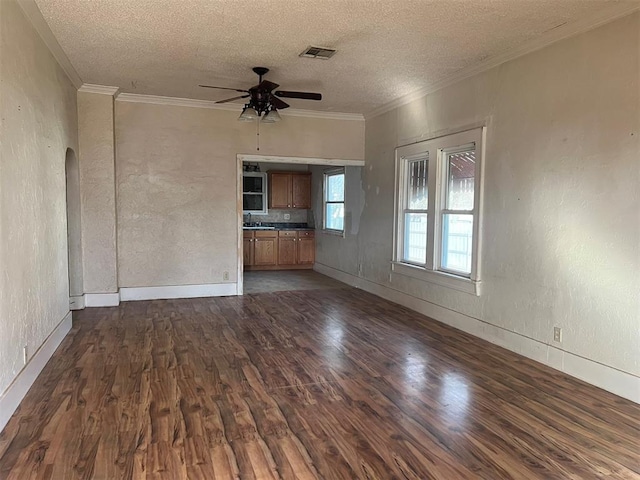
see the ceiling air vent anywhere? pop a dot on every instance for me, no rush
(318, 52)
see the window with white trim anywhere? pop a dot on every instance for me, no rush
(438, 194)
(333, 201)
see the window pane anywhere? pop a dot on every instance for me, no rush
(252, 202)
(461, 168)
(415, 238)
(417, 184)
(457, 242)
(335, 188)
(334, 218)
(252, 184)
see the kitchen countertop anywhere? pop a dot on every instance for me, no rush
(277, 226)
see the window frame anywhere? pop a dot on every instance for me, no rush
(325, 176)
(437, 151)
(264, 194)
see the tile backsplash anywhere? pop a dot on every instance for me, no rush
(277, 216)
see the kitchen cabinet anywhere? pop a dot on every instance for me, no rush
(278, 249)
(287, 248)
(301, 191)
(306, 254)
(247, 248)
(280, 185)
(290, 190)
(296, 247)
(260, 248)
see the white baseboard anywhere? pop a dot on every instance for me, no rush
(101, 299)
(158, 293)
(13, 395)
(178, 291)
(613, 380)
(76, 302)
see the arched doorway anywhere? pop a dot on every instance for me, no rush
(74, 237)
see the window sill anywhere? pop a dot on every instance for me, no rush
(336, 233)
(443, 279)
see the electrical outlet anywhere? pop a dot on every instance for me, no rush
(287, 216)
(225, 275)
(25, 357)
(359, 269)
(557, 334)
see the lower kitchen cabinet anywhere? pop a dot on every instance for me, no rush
(306, 254)
(287, 248)
(260, 248)
(278, 250)
(247, 248)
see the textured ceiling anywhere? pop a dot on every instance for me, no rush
(386, 48)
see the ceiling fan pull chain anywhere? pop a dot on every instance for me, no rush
(258, 133)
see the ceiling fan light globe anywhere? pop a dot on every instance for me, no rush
(272, 116)
(248, 114)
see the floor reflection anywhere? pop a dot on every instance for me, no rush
(454, 397)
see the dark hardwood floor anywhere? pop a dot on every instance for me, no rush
(332, 383)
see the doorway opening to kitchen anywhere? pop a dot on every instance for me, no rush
(280, 225)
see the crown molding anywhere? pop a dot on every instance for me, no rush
(100, 89)
(606, 15)
(190, 102)
(294, 112)
(34, 16)
(338, 162)
(176, 102)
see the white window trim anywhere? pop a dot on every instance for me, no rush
(325, 174)
(431, 272)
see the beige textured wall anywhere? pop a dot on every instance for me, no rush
(97, 184)
(562, 203)
(176, 185)
(39, 123)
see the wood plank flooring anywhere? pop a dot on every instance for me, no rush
(287, 280)
(332, 383)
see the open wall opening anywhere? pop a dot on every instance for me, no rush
(280, 215)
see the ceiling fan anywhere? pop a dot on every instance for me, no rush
(263, 99)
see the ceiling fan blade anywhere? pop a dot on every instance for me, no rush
(232, 99)
(277, 103)
(225, 88)
(302, 95)
(266, 85)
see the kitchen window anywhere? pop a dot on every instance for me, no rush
(254, 193)
(334, 201)
(438, 194)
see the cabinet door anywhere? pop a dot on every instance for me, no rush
(301, 190)
(247, 248)
(280, 190)
(306, 250)
(287, 251)
(265, 251)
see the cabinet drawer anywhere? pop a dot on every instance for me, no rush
(287, 233)
(246, 234)
(266, 233)
(306, 233)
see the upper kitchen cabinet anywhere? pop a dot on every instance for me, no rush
(290, 190)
